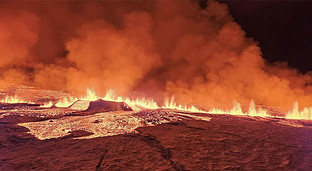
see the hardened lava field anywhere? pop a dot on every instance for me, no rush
(104, 135)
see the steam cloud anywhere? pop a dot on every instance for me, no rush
(153, 49)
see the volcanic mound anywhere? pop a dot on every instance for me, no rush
(99, 106)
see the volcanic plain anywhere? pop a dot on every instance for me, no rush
(103, 135)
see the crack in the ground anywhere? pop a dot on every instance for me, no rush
(165, 152)
(185, 125)
(98, 166)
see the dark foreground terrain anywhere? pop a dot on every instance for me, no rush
(223, 143)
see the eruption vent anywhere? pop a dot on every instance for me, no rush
(144, 49)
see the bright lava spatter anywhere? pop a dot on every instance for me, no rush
(142, 103)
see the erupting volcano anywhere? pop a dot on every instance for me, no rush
(145, 85)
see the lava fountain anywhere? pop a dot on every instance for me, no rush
(142, 104)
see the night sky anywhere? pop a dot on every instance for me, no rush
(283, 29)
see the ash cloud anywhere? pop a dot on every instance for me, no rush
(152, 49)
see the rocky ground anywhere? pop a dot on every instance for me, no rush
(109, 136)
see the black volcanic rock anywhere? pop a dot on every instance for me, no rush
(78, 133)
(104, 106)
(224, 143)
(12, 106)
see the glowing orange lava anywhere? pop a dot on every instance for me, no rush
(142, 103)
(13, 99)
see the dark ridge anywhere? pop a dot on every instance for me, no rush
(14, 119)
(105, 106)
(6, 106)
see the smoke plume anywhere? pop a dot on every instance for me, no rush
(151, 49)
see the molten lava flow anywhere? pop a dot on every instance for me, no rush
(306, 113)
(12, 99)
(47, 104)
(142, 103)
(136, 104)
(65, 102)
(237, 110)
(139, 104)
(172, 105)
